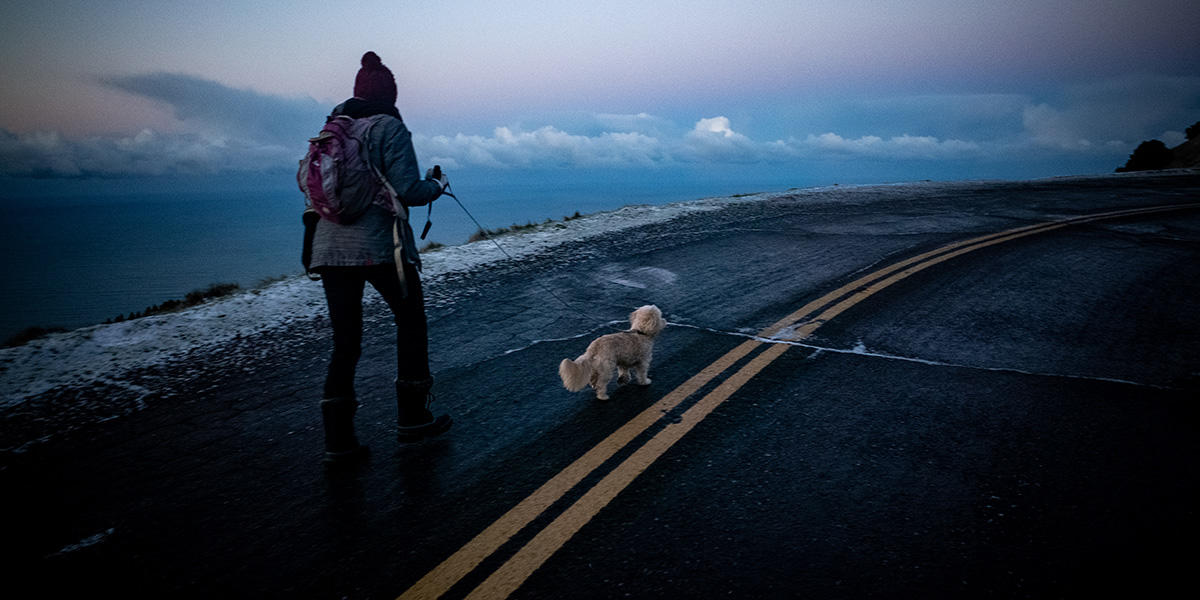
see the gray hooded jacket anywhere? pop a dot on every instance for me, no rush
(368, 240)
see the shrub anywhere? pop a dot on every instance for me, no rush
(483, 234)
(29, 334)
(216, 290)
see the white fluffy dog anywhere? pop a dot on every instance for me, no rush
(627, 351)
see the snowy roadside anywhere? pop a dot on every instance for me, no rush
(101, 353)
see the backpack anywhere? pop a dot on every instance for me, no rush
(335, 176)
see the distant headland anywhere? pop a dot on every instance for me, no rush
(1152, 155)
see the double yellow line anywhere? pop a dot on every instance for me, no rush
(794, 327)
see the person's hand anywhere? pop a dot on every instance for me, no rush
(436, 174)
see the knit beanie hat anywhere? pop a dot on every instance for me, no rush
(375, 82)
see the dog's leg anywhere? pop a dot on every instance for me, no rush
(622, 375)
(603, 387)
(600, 382)
(643, 372)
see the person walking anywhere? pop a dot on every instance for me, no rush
(348, 256)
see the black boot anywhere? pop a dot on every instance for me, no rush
(414, 421)
(340, 443)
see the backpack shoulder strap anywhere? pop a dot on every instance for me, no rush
(399, 209)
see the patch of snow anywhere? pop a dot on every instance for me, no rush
(85, 542)
(628, 283)
(657, 274)
(103, 352)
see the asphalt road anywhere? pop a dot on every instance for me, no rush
(1014, 417)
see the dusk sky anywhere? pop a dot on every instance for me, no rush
(858, 91)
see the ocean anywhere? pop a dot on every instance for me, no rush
(81, 260)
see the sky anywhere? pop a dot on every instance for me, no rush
(100, 94)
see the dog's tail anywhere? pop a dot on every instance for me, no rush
(576, 374)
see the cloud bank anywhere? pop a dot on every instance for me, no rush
(49, 155)
(223, 129)
(224, 111)
(228, 129)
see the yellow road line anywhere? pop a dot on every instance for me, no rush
(462, 562)
(513, 572)
(809, 308)
(991, 240)
(863, 287)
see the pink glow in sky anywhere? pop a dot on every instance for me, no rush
(786, 76)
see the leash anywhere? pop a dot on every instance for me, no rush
(483, 231)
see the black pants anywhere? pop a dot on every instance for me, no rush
(344, 292)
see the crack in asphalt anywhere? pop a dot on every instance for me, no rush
(861, 350)
(587, 333)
